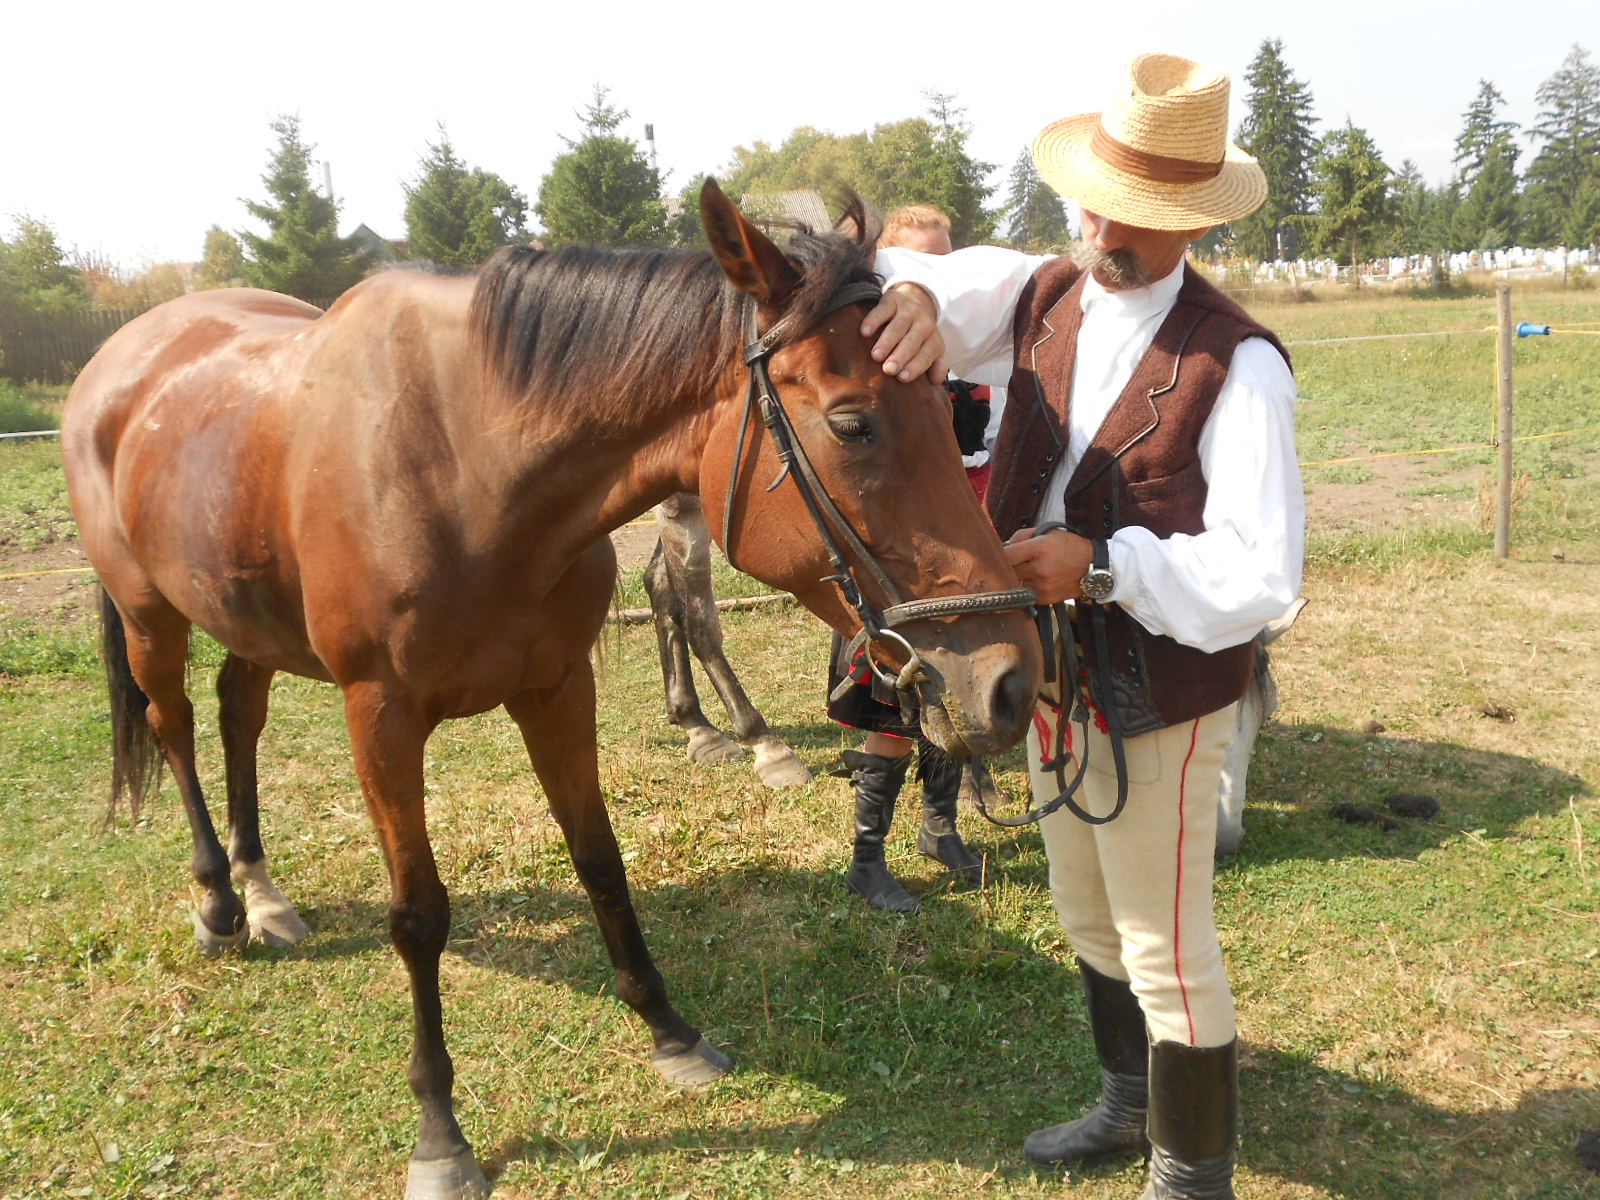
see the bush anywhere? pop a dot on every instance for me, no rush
(24, 408)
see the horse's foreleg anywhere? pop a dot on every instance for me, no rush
(387, 738)
(558, 727)
(158, 656)
(242, 691)
(707, 743)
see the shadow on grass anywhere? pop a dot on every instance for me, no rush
(1300, 774)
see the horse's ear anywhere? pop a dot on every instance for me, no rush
(750, 259)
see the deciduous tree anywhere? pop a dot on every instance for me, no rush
(456, 215)
(301, 254)
(602, 190)
(35, 275)
(221, 262)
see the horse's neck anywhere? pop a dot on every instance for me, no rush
(578, 486)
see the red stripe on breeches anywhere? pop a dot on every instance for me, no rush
(1134, 895)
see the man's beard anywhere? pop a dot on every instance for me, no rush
(1118, 267)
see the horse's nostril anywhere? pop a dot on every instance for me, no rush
(1011, 703)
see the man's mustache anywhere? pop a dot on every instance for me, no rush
(1118, 266)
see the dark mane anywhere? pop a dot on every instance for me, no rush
(567, 324)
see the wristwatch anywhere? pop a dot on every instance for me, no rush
(1098, 581)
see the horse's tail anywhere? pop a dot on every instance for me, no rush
(135, 757)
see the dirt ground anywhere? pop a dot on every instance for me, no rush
(54, 581)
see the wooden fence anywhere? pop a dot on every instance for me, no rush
(53, 348)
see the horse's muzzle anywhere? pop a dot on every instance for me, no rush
(979, 702)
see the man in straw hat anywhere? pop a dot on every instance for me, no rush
(1145, 470)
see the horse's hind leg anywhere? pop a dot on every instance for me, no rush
(242, 691)
(687, 545)
(558, 728)
(158, 655)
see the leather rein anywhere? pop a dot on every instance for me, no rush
(1061, 667)
(838, 536)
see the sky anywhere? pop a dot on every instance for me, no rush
(132, 129)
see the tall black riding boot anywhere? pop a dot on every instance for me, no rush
(1194, 1121)
(877, 779)
(1115, 1125)
(938, 838)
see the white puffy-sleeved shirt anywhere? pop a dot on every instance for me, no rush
(1209, 590)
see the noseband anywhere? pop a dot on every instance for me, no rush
(877, 625)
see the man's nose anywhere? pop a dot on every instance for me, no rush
(1109, 235)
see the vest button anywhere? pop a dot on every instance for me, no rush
(1106, 504)
(1034, 489)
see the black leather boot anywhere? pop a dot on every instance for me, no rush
(1194, 1121)
(938, 838)
(877, 779)
(1115, 1125)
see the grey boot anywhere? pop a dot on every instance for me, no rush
(1194, 1121)
(938, 839)
(877, 779)
(1116, 1125)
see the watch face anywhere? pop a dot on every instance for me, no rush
(1098, 583)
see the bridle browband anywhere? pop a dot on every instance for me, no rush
(877, 625)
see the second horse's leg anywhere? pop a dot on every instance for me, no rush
(707, 743)
(686, 550)
(558, 727)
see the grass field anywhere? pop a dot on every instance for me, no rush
(1419, 1008)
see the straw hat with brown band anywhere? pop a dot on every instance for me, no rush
(1158, 157)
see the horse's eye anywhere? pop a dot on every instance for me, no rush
(851, 427)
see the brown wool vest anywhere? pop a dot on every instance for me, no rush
(1142, 468)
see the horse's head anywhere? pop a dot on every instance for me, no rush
(874, 481)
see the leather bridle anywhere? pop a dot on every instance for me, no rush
(877, 625)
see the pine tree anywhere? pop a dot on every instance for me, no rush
(602, 191)
(1277, 131)
(1490, 212)
(1482, 132)
(1352, 188)
(954, 181)
(301, 253)
(1563, 178)
(456, 216)
(1035, 219)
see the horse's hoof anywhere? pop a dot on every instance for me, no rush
(214, 944)
(711, 746)
(273, 920)
(455, 1178)
(695, 1067)
(278, 926)
(781, 769)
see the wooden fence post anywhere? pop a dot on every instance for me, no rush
(1502, 520)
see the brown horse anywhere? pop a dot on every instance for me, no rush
(408, 495)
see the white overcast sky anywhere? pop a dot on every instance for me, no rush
(132, 128)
